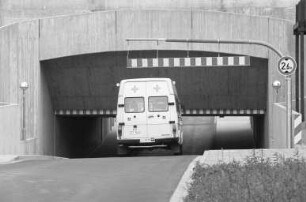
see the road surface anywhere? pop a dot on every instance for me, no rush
(134, 179)
(149, 176)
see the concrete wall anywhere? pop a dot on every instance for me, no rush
(10, 130)
(84, 36)
(279, 137)
(17, 10)
(8, 67)
(19, 56)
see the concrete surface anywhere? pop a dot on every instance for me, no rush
(18, 10)
(10, 130)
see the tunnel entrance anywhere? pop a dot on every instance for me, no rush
(87, 82)
(95, 136)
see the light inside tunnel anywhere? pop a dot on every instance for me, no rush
(229, 132)
(234, 132)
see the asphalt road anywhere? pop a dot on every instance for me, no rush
(103, 179)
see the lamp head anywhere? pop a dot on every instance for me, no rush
(276, 84)
(24, 85)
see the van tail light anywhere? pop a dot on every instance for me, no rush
(120, 126)
(174, 129)
(119, 132)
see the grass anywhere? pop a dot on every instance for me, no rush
(257, 179)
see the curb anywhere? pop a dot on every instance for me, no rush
(7, 159)
(4, 159)
(181, 190)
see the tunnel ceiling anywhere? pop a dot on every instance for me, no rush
(89, 81)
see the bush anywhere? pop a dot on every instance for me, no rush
(256, 179)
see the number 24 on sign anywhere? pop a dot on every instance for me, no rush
(286, 65)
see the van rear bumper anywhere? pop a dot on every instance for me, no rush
(136, 142)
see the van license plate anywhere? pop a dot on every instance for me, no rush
(146, 140)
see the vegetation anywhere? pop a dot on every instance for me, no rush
(257, 179)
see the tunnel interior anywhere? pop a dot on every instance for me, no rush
(81, 137)
(95, 136)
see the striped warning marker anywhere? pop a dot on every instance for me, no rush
(108, 112)
(86, 112)
(189, 62)
(298, 128)
(244, 112)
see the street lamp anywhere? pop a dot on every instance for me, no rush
(276, 85)
(24, 86)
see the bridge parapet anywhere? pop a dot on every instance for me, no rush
(106, 31)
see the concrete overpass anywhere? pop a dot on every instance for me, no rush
(54, 54)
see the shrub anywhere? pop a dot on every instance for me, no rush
(256, 179)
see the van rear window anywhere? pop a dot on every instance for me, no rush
(134, 104)
(158, 103)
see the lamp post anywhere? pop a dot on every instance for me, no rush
(24, 86)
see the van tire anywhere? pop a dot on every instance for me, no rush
(122, 150)
(177, 149)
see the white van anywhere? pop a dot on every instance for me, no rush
(148, 115)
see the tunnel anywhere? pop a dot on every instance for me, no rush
(87, 82)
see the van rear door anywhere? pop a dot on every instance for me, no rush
(158, 109)
(135, 115)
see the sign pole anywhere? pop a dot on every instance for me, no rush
(287, 66)
(289, 111)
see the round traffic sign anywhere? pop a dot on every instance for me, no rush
(286, 65)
